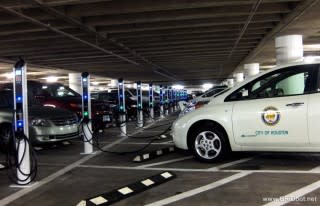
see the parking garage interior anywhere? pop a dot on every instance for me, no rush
(139, 102)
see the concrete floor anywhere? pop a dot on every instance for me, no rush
(66, 177)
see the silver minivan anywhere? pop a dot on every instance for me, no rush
(46, 124)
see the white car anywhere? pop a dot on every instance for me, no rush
(207, 96)
(273, 111)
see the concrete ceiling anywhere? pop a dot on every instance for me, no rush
(190, 41)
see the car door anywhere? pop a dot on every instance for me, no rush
(272, 110)
(314, 114)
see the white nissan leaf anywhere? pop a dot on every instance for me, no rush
(274, 111)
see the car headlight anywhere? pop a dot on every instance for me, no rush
(40, 123)
(187, 110)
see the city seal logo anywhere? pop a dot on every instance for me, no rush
(270, 116)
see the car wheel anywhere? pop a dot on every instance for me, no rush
(209, 144)
(5, 137)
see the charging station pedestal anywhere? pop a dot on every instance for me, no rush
(161, 102)
(21, 122)
(166, 104)
(139, 105)
(174, 94)
(122, 108)
(170, 100)
(151, 102)
(86, 114)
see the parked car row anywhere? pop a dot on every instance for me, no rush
(55, 111)
(201, 100)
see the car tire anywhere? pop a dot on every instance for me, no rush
(209, 143)
(5, 137)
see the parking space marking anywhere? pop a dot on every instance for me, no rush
(294, 195)
(22, 192)
(198, 190)
(199, 170)
(149, 168)
(55, 175)
(230, 164)
(165, 162)
(316, 169)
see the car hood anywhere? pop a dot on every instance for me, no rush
(48, 112)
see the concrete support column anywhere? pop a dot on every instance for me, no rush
(289, 48)
(75, 82)
(239, 77)
(230, 82)
(252, 69)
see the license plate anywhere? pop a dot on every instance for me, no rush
(106, 118)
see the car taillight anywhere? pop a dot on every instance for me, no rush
(199, 105)
(77, 106)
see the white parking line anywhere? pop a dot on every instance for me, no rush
(22, 192)
(198, 170)
(198, 190)
(165, 162)
(316, 169)
(52, 177)
(229, 164)
(294, 195)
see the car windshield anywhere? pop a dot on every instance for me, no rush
(213, 92)
(58, 90)
(222, 92)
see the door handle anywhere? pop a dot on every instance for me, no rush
(295, 104)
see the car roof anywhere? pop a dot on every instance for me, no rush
(278, 67)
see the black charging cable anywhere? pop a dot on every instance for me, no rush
(94, 140)
(14, 163)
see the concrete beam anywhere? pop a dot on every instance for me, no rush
(129, 6)
(222, 21)
(187, 14)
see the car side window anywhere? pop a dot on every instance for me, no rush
(295, 80)
(295, 84)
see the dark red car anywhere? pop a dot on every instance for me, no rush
(59, 96)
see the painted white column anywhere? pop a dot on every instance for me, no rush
(252, 69)
(230, 82)
(239, 77)
(289, 48)
(75, 82)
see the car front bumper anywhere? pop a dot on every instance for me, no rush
(179, 134)
(42, 135)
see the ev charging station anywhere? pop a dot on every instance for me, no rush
(21, 123)
(86, 114)
(170, 100)
(139, 105)
(161, 102)
(174, 96)
(151, 99)
(122, 108)
(166, 100)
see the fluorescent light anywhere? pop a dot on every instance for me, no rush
(311, 47)
(207, 86)
(311, 59)
(95, 83)
(178, 86)
(52, 79)
(8, 75)
(267, 67)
